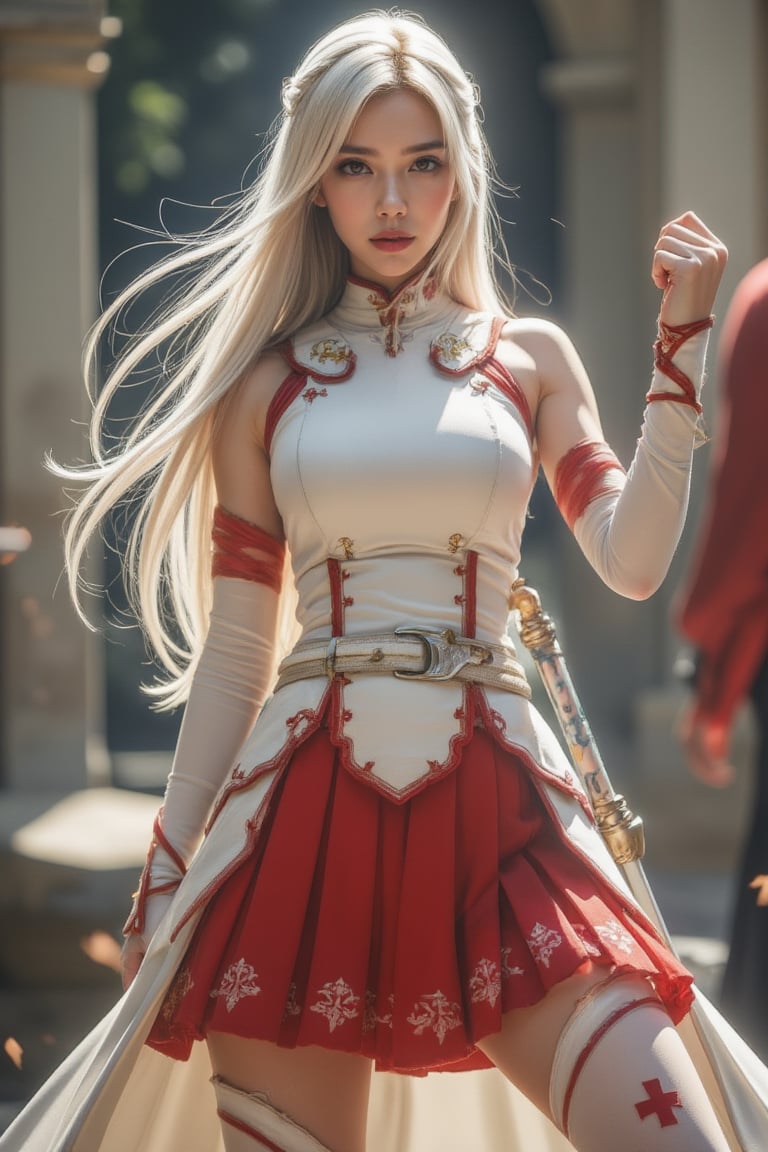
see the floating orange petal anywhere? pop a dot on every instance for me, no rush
(13, 1051)
(102, 949)
(761, 883)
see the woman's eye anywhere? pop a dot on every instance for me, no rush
(353, 167)
(426, 164)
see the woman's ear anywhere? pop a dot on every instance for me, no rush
(318, 199)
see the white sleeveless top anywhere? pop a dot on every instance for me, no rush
(402, 462)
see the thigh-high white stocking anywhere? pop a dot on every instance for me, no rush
(621, 1077)
(250, 1124)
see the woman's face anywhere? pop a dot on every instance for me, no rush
(389, 189)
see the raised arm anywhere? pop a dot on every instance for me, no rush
(628, 525)
(234, 671)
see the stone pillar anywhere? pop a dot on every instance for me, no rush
(662, 108)
(598, 86)
(713, 145)
(711, 157)
(51, 58)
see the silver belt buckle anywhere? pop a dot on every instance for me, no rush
(445, 656)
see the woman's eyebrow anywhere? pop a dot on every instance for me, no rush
(428, 146)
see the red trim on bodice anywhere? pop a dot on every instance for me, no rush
(501, 377)
(580, 478)
(281, 402)
(495, 372)
(336, 578)
(468, 572)
(293, 384)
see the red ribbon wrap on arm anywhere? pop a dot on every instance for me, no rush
(581, 477)
(246, 552)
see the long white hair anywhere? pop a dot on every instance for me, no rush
(271, 264)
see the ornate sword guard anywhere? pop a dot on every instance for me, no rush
(621, 830)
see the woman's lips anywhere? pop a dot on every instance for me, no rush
(391, 243)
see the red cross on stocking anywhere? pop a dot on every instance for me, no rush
(659, 1103)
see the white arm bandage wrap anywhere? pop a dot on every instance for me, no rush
(231, 681)
(629, 533)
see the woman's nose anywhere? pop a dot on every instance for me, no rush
(391, 198)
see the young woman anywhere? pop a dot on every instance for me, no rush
(398, 868)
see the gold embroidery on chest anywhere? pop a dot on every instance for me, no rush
(348, 546)
(455, 352)
(331, 349)
(455, 542)
(451, 347)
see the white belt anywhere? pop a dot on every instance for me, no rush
(409, 654)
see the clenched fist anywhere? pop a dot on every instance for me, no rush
(688, 264)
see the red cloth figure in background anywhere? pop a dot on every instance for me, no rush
(724, 613)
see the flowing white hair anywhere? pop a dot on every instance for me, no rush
(270, 265)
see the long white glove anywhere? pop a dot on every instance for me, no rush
(231, 682)
(630, 533)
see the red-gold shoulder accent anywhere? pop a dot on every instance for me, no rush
(581, 477)
(245, 551)
(329, 359)
(456, 355)
(328, 350)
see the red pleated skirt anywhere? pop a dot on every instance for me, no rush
(402, 932)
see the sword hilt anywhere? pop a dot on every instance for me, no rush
(536, 628)
(620, 828)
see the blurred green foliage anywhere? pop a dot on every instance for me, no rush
(182, 104)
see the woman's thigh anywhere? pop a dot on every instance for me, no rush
(525, 1047)
(325, 1092)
